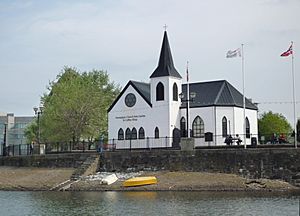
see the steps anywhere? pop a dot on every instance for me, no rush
(296, 180)
(87, 167)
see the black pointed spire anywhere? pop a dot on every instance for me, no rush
(165, 65)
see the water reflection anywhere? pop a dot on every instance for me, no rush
(137, 195)
(147, 203)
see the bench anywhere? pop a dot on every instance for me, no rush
(229, 140)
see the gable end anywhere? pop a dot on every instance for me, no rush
(123, 91)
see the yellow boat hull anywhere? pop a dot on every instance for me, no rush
(140, 181)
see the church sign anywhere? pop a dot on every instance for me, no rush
(130, 117)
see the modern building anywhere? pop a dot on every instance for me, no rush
(155, 114)
(13, 127)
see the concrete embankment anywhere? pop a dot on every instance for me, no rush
(275, 163)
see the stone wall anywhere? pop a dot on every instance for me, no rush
(281, 163)
(51, 160)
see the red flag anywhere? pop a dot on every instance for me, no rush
(288, 52)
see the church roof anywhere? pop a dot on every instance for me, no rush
(165, 65)
(143, 89)
(213, 93)
(216, 93)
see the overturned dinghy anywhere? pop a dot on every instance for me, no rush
(140, 181)
(110, 179)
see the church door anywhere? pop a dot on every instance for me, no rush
(176, 138)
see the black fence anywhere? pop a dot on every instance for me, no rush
(14, 150)
(207, 140)
(278, 138)
(66, 147)
(53, 148)
(144, 143)
(148, 143)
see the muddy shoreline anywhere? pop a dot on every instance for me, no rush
(45, 179)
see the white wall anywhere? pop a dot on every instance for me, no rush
(212, 117)
(142, 143)
(163, 114)
(121, 116)
(166, 111)
(239, 124)
(166, 116)
(228, 112)
(174, 111)
(208, 117)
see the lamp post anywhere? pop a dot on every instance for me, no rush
(4, 140)
(190, 97)
(38, 111)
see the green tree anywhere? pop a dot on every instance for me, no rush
(31, 132)
(76, 106)
(270, 123)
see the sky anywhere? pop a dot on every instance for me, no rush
(123, 37)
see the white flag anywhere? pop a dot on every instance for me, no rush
(234, 53)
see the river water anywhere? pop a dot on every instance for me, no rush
(147, 203)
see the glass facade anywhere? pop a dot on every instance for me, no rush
(15, 127)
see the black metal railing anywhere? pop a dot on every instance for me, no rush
(15, 150)
(66, 147)
(145, 143)
(150, 143)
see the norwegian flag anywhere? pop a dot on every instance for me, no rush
(288, 52)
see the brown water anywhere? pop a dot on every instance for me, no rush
(147, 203)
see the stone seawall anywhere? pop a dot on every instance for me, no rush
(279, 163)
(73, 160)
(283, 163)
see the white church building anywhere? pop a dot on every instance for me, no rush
(155, 114)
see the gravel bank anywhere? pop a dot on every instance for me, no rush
(30, 179)
(191, 181)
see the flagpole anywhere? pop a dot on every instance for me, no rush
(294, 98)
(244, 100)
(188, 99)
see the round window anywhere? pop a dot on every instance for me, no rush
(130, 100)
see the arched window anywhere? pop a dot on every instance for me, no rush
(198, 127)
(247, 128)
(175, 92)
(133, 134)
(128, 134)
(183, 127)
(224, 126)
(160, 92)
(156, 133)
(141, 133)
(120, 134)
